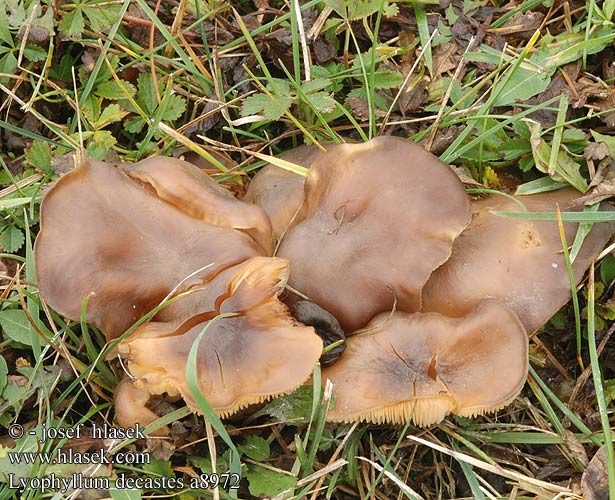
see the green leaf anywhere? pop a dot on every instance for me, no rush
(263, 481)
(125, 494)
(607, 269)
(294, 406)
(174, 106)
(262, 104)
(34, 54)
(524, 84)
(112, 90)
(359, 9)
(111, 114)
(161, 468)
(39, 155)
(315, 85)
(46, 20)
(541, 185)
(338, 6)
(100, 144)
(322, 102)
(609, 140)
(5, 34)
(386, 79)
(4, 371)
(90, 109)
(103, 16)
(279, 87)
(146, 94)
(11, 239)
(582, 231)
(63, 69)
(134, 124)
(13, 392)
(72, 24)
(255, 447)
(8, 64)
(16, 326)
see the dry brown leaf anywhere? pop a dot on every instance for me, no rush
(595, 480)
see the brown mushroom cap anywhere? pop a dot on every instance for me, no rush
(279, 192)
(130, 407)
(426, 365)
(125, 237)
(519, 262)
(244, 359)
(376, 216)
(190, 190)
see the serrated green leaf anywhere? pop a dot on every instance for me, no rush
(263, 104)
(386, 79)
(5, 34)
(4, 371)
(315, 85)
(360, 9)
(146, 94)
(103, 16)
(100, 143)
(322, 102)
(390, 9)
(174, 106)
(111, 114)
(263, 481)
(72, 24)
(39, 155)
(294, 406)
(134, 124)
(255, 104)
(34, 54)
(112, 90)
(255, 447)
(279, 87)
(17, 13)
(16, 326)
(90, 108)
(11, 239)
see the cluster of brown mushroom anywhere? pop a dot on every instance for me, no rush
(436, 294)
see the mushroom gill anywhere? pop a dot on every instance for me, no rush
(517, 261)
(377, 217)
(425, 365)
(246, 358)
(123, 237)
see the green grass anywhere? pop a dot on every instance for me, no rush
(77, 91)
